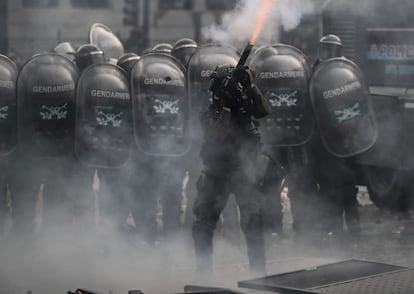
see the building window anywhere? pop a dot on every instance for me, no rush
(90, 3)
(221, 4)
(40, 3)
(175, 4)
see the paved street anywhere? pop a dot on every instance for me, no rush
(66, 259)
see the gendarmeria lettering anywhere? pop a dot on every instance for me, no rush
(282, 75)
(341, 90)
(6, 84)
(163, 82)
(206, 73)
(53, 88)
(110, 94)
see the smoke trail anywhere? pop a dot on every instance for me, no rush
(261, 19)
(240, 24)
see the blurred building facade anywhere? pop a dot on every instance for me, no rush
(33, 26)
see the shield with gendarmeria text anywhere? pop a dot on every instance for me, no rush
(8, 105)
(200, 66)
(282, 75)
(103, 132)
(46, 105)
(342, 107)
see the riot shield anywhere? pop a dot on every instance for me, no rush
(102, 36)
(286, 49)
(282, 75)
(103, 132)
(200, 66)
(8, 105)
(342, 107)
(46, 105)
(160, 106)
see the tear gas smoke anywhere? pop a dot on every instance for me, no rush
(240, 24)
(261, 19)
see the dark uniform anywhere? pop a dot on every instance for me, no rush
(139, 181)
(286, 133)
(232, 158)
(199, 69)
(160, 117)
(8, 130)
(46, 99)
(103, 133)
(335, 175)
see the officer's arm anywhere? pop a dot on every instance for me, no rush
(260, 107)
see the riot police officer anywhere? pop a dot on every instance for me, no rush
(104, 129)
(330, 46)
(232, 158)
(102, 37)
(283, 74)
(183, 49)
(142, 205)
(8, 130)
(162, 138)
(199, 68)
(67, 49)
(335, 174)
(127, 61)
(46, 99)
(165, 48)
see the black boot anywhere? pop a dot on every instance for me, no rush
(255, 246)
(203, 245)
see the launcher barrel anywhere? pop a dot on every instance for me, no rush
(246, 52)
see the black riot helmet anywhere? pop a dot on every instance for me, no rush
(165, 48)
(183, 49)
(229, 84)
(218, 78)
(66, 49)
(262, 53)
(88, 54)
(242, 76)
(330, 46)
(127, 61)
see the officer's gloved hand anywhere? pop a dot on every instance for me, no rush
(224, 119)
(243, 76)
(243, 114)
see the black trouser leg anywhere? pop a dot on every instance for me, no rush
(203, 245)
(255, 245)
(350, 205)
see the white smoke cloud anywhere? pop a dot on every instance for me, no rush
(239, 24)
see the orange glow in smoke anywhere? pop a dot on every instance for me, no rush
(261, 20)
